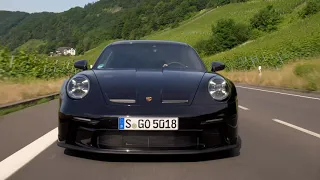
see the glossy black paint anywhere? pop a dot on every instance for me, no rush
(219, 133)
(160, 85)
(217, 66)
(81, 64)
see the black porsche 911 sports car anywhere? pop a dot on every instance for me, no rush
(148, 97)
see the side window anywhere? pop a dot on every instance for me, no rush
(105, 58)
(195, 61)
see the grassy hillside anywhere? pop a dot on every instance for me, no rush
(87, 27)
(295, 37)
(200, 27)
(296, 40)
(31, 45)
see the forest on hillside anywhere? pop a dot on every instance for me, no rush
(85, 28)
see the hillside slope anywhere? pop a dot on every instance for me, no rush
(300, 39)
(31, 45)
(9, 20)
(85, 28)
(295, 37)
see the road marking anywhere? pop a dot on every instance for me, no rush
(13, 163)
(244, 108)
(308, 97)
(297, 128)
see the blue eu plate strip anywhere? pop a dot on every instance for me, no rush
(121, 123)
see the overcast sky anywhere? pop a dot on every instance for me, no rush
(41, 5)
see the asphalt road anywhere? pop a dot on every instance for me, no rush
(271, 149)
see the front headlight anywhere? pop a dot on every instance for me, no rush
(218, 88)
(78, 87)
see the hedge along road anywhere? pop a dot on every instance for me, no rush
(280, 132)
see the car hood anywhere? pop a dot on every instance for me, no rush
(140, 87)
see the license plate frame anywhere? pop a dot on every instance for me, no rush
(148, 123)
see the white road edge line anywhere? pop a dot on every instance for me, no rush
(244, 108)
(297, 128)
(13, 163)
(276, 92)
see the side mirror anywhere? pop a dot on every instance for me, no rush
(217, 66)
(81, 64)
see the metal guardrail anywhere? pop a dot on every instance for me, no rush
(28, 101)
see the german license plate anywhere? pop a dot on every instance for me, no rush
(146, 123)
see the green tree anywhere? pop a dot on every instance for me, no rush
(226, 34)
(266, 19)
(80, 48)
(312, 7)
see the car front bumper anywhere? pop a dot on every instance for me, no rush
(236, 147)
(210, 132)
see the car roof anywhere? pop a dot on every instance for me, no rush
(148, 42)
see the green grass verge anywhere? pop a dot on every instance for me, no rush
(311, 73)
(302, 75)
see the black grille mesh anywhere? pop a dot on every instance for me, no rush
(147, 141)
(110, 139)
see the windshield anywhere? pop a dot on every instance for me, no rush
(149, 56)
